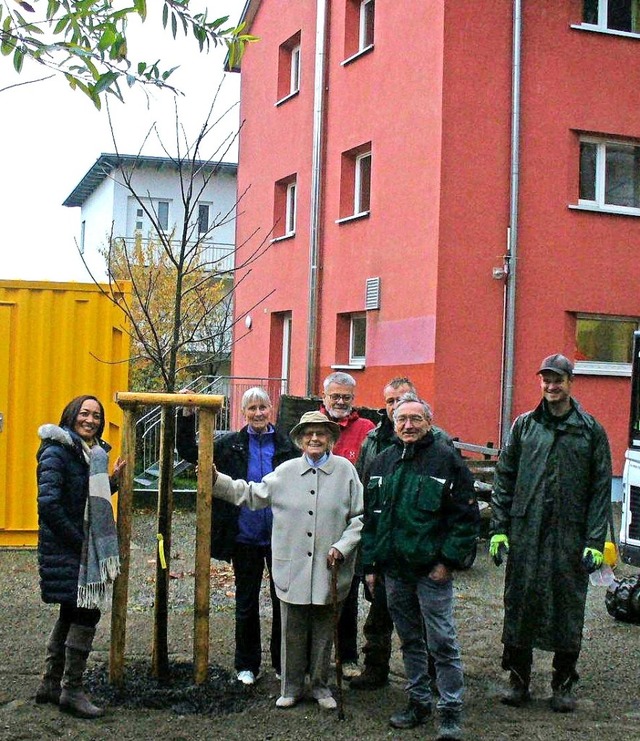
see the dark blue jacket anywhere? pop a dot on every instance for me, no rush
(231, 456)
(63, 488)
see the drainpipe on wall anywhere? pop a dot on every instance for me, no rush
(511, 261)
(316, 193)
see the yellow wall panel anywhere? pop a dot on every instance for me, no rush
(57, 341)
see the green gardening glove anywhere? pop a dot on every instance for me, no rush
(592, 559)
(498, 548)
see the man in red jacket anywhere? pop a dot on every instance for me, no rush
(338, 397)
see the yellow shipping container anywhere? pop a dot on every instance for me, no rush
(57, 341)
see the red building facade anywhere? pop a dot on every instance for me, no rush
(408, 231)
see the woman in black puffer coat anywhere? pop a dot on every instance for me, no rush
(63, 488)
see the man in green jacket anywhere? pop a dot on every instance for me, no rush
(378, 627)
(421, 522)
(550, 507)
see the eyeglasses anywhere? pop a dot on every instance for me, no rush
(344, 397)
(415, 419)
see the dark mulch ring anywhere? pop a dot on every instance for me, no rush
(220, 694)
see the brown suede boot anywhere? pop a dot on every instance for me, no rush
(371, 678)
(49, 688)
(72, 698)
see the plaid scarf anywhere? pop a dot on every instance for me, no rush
(100, 560)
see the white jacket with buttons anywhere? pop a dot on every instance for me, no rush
(314, 509)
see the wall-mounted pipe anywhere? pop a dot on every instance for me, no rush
(511, 260)
(319, 87)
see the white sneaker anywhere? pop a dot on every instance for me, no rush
(247, 677)
(286, 702)
(327, 703)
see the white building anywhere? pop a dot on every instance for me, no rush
(110, 208)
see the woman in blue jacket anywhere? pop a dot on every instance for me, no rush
(239, 534)
(77, 545)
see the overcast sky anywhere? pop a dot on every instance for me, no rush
(52, 135)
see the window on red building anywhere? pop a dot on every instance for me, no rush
(355, 182)
(357, 339)
(610, 175)
(359, 27)
(604, 344)
(351, 340)
(280, 348)
(284, 207)
(289, 68)
(612, 15)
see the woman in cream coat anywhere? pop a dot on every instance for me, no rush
(317, 517)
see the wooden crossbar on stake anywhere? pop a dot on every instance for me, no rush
(209, 405)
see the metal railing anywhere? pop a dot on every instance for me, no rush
(230, 418)
(214, 256)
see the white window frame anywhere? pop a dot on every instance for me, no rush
(358, 182)
(367, 9)
(290, 209)
(601, 25)
(163, 223)
(294, 85)
(285, 368)
(353, 358)
(602, 367)
(200, 207)
(599, 203)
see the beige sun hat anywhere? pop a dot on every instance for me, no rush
(315, 418)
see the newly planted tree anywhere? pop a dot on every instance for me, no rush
(178, 306)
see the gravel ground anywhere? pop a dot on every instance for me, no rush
(609, 706)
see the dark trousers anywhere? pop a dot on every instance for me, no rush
(248, 567)
(348, 625)
(71, 614)
(377, 630)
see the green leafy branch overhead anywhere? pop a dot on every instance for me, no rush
(86, 40)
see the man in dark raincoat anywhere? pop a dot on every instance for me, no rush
(550, 506)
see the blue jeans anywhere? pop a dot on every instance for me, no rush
(410, 604)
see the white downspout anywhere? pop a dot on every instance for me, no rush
(316, 193)
(511, 261)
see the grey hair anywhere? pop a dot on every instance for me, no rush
(406, 399)
(256, 393)
(398, 381)
(342, 379)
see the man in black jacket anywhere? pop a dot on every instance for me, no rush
(378, 626)
(239, 534)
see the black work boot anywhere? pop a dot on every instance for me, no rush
(450, 727)
(518, 692)
(563, 699)
(72, 698)
(371, 678)
(415, 715)
(49, 687)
